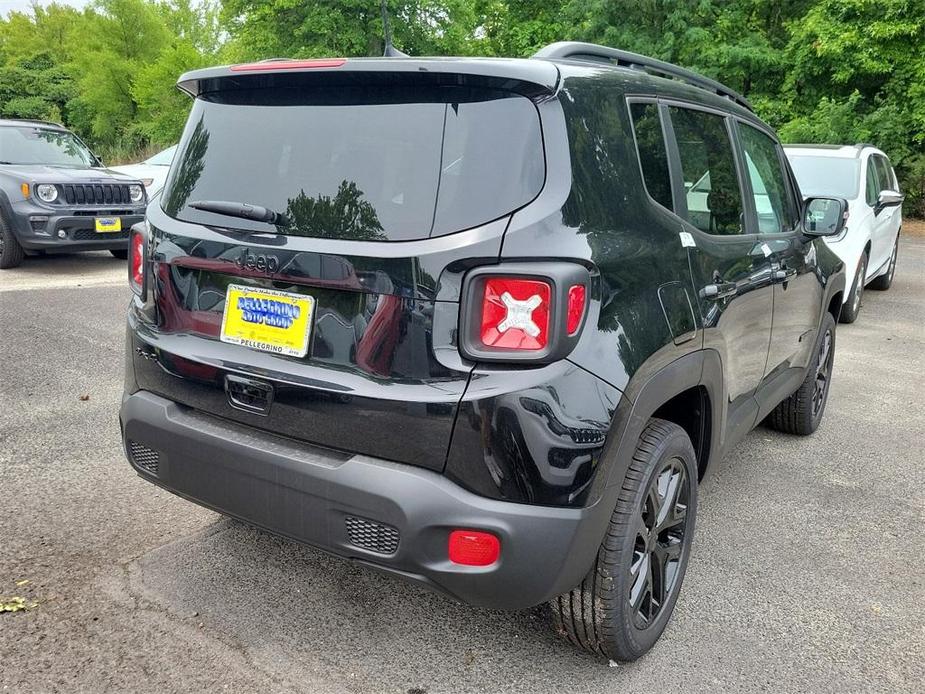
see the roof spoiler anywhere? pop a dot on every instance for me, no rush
(534, 79)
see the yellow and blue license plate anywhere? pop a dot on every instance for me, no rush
(266, 319)
(108, 225)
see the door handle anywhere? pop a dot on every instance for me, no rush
(784, 274)
(718, 290)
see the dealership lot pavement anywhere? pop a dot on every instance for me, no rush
(806, 572)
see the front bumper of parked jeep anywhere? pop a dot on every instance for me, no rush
(71, 228)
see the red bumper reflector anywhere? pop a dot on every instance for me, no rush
(273, 65)
(515, 313)
(474, 548)
(576, 307)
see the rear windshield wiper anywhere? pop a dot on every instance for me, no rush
(241, 209)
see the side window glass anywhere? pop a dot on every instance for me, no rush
(772, 198)
(714, 200)
(653, 158)
(873, 184)
(884, 173)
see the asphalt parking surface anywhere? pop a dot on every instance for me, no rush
(806, 573)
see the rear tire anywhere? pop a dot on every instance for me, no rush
(885, 281)
(121, 254)
(11, 252)
(801, 413)
(852, 306)
(624, 603)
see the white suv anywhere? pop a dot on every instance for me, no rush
(863, 176)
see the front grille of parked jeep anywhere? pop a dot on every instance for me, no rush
(145, 458)
(90, 234)
(96, 194)
(376, 537)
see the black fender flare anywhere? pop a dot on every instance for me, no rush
(835, 284)
(6, 209)
(640, 401)
(644, 395)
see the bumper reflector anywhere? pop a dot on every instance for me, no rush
(474, 548)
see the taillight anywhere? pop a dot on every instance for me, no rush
(523, 311)
(473, 548)
(576, 308)
(136, 262)
(515, 313)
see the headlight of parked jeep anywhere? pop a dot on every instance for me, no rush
(136, 193)
(46, 192)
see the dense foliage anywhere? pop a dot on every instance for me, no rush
(818, 70)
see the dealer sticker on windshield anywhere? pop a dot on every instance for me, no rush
(266, 319)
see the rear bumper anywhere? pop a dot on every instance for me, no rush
(309, 494)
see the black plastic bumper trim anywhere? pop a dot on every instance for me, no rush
(305, 493)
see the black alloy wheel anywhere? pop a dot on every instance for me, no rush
(801, 412)
(623, 604)
(662, 523)
(824, 363)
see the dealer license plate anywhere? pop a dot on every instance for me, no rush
(269, 320)
(108, 225)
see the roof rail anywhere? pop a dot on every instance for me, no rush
(862, 145)
(577, 50)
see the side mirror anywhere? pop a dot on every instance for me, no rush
(889, 198)
(824, 216)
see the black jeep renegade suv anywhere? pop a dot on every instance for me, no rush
(479, 323)
(56, 196)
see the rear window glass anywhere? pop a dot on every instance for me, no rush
(363, 164)
(650, 145)
(821, 175)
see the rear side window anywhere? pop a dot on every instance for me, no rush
(653, 158)
(872, 194)
(360, 163)
(714, 200)
(884, 173)
(773, 203)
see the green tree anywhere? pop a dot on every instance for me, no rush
(284, 28)
(122, 37)
(857, 74)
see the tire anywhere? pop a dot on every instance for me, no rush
(801, 412)
(11, 253)
(852, 306)
(121, 253)
(598, 615)
(885, 281)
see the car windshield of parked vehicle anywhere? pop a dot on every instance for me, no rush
(821, 176)
(23, 144)
(357, 163)
(162, 158)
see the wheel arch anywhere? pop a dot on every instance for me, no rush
(6, 208)
(688, 391)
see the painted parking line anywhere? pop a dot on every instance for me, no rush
(30, 283)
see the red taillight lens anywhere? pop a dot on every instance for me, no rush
(576, 308)
(136, 262)
(473, 548)
(515, 313)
